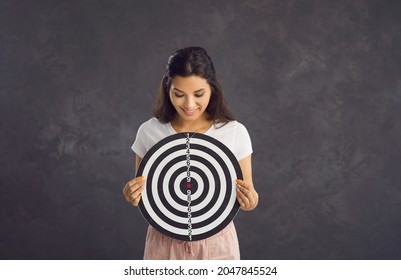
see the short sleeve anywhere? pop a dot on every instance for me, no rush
(243, 143)
(139, 146)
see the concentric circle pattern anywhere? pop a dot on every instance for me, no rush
(190, 191)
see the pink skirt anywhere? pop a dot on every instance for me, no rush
(221, 246)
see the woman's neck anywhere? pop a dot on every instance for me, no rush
(199, 126)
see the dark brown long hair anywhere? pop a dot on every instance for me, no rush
(191, 61)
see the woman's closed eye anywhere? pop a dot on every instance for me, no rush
(178, 94)
(182, 95)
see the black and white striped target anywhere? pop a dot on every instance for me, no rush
(190, 191)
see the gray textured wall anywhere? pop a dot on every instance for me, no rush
(317, 83)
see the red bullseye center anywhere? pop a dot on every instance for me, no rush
(188, 186)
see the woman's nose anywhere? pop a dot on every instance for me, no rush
(189, 103)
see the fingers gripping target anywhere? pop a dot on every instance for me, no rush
(190, 191)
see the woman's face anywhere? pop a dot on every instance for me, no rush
(190, 97)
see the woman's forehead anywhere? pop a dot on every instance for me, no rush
(190, 84)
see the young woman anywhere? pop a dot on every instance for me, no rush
(191, 99)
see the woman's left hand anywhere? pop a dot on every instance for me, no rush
(246, 195)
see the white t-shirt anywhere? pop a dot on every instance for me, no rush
(234, 135)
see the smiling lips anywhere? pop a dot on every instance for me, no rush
(190, 112)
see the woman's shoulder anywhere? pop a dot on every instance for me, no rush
(152, 123)
(230, 125)
(148, 134)
(235, 136)
(233, 129)
(154, 129)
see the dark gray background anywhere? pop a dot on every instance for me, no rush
(317, 84)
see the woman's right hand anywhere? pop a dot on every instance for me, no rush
(133, 189)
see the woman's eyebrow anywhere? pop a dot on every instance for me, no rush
(196, 91)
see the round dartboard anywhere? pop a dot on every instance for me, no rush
(190, 191)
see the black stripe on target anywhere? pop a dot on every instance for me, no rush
(213, 171)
